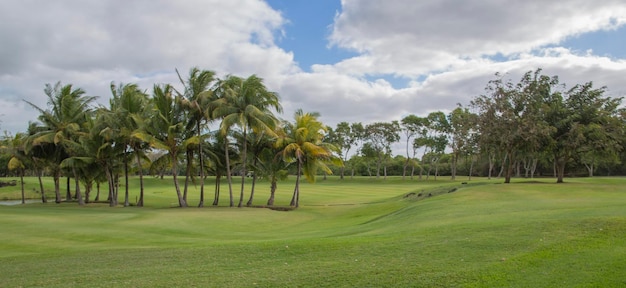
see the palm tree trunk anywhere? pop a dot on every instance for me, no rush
(249, 203)
(57, 188)
(243, 169)
(216, 198)
(253, 185)
(43, 192)
(201, 156)
(22, 185)
(81, 201)
(97, 192)
(270, 201)
(68, 193)
(140, 202)
(181, 200)
(187, 173)
(228, 176)
(126, 202)
(88, 187)
(111, 183)
(295, 199)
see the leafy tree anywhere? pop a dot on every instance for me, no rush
(584, 121)
(437, 139)
(345, 138)
(411, 126)
(510, 115)
(381, 135)
(462, 126)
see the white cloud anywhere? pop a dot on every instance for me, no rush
(438, 47)
(413, 37)
(91, 43)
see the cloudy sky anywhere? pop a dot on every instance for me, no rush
(350, 60)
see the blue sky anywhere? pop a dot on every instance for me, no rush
(611, 43)
(309, 25)
(307, 31)
(351, 60)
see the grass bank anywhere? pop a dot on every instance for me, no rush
(351, 233)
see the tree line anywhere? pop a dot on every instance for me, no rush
(536, 125)
(167, 128)
(527, 125)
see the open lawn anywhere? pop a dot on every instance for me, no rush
(351, 233)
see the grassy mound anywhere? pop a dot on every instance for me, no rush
(351, 233)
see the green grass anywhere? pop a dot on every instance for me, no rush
(351, 233)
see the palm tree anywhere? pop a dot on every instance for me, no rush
(271, 167)
(127, 114)
(198, 97)
(15, 148)
(68, 109)
(108, 154)
(101, 156)
(262, 164)
(217, 157)
(304, 144)
(77, 162)
(165, 130)
(246, 103)
(38, 156)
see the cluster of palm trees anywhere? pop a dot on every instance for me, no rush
(93, 145)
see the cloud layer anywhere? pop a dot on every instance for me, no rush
(441, 52)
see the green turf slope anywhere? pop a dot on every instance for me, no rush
(347, 234)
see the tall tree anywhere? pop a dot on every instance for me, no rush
(462, 127)
(126, 118)
(80, 150)
(166, 128)
(585, 120)
(435, 140)
(218, 161)
(68, 109)
(199, 97)
(14, 146)
(38, 156)
(246, 104)
(411, 126)
(346, 136)
(304, 144)
(271, 167)
(505, 118)
(381, 135)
